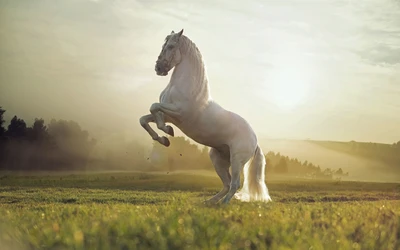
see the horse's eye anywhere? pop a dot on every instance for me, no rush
(170, 46)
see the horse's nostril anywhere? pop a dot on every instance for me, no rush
(158, 68)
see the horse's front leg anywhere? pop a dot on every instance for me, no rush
(160, 110)
(144, 121)
(160, 120)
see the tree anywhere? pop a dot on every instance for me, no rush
(38, 132)
(17, 128)
(69, 136)
(2, 143)
(2, 129)
(268, 165)
(204, 158)
(339, 171)
(282, 166)
(73, 144)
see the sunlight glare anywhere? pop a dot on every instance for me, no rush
(289, 90)
(289, 86)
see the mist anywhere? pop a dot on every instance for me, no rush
(360, 169)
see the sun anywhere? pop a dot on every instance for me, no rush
(289, 90)
(289, 85)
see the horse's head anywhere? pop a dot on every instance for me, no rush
(170, 54)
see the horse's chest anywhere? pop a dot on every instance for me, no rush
(170, 95)
(165, 98)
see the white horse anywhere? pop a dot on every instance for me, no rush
(186, 102)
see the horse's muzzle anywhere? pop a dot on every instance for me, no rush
(161, 68)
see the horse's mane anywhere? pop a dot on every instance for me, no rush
(188, 45)
(189, 48)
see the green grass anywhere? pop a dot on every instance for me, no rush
(144, 211)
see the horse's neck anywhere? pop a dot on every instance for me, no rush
(190, 75)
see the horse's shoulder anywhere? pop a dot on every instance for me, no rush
(162, 94)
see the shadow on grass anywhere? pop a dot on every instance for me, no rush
(335, 199)
(137, 182)
(179, 182)
(83, 200)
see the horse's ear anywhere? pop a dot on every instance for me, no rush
(180, 33)
(172, 32)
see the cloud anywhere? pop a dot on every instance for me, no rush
(382, 54)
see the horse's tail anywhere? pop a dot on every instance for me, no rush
(254, 187)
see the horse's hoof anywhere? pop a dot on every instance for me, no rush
(170, 130)
(165, 141)
(225, 201)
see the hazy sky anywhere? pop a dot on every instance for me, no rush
(294, 69)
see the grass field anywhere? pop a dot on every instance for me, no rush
(145, 211)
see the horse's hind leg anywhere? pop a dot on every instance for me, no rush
(221, 165)
(238, 161)
(144, 122)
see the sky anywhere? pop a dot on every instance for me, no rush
(298, 69)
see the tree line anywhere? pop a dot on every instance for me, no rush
(386, 153)
(64, 145)
(280, 164)
(183, 155)
(61, 145)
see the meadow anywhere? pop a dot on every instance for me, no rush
(166, 211)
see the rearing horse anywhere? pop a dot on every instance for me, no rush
(186, 102)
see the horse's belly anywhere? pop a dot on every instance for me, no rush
(207, 129)
(214, 126)
(202, 137)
